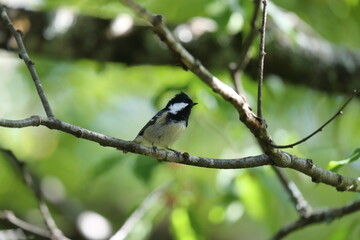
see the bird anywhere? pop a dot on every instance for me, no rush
(168, 124)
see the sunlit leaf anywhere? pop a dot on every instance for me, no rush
(252, 196)
(336, 165)
(181, 225)
(343, 231)
(217, 214)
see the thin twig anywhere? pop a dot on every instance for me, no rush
(10, 217)
(301, 205)
(33, 185)
(262, 59)
(324, 216)
(339, 112)
(136, 216)
(296, 196)
(24, 56)
(244, 57)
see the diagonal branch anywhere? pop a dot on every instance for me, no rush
(29, 181)
(301, 205)
(305, 166)
(136, 216)
(194, 65)
(324, 216)
(10, 217)
(24, 56)
(246, 115)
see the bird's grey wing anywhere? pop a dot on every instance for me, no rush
(151, 122)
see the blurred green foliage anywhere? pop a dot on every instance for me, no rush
(327, 17)
(118, 100)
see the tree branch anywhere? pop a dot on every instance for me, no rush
(301, 205)
(193, 64)
(24, 56)
(246, 115)
(10, 217)
(262, 59)
(305, 166)
(129, 146)
(272, 156)
(324, 216)
(56, 233)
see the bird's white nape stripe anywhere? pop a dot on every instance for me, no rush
(176, 107)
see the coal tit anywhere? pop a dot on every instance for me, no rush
(168, 124)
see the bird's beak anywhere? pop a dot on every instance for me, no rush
(194, 103)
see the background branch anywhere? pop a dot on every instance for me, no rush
(236, 70)
(323, 216)
(288, 59)
(10, 217)
(136, 216)
(56, 233)
(301, 205)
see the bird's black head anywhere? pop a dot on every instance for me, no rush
(179, 107)
(180, 98)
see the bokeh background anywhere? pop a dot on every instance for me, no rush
(92, 190)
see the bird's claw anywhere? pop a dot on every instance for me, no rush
(176, 152)
(154, 148)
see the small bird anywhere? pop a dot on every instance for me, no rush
(168, 124)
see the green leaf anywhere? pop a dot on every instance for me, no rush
(181, 225)
(252, 196)
(217, 214)
(144, 167)
(336, 165)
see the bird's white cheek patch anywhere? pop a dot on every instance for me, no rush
(175, 108)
